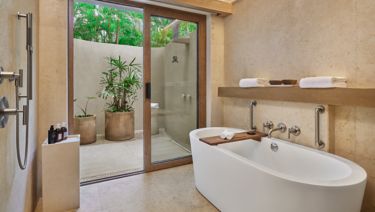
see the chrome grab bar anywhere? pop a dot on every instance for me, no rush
(253, 128)
(319, 143)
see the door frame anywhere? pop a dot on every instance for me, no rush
(149, 10)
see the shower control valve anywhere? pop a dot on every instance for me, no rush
(11, 76)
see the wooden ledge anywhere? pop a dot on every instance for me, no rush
(330, 96)
(216, 140)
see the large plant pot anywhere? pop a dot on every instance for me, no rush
(119, 126)
(86, 127)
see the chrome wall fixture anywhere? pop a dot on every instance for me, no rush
(318, 143)
(5, 112)
(253, 128)
(295, 130)
(268, 125)
(29, 49)
(280, 127)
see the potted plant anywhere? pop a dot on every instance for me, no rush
(85, 124)
(120, 84)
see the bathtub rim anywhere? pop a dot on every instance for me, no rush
(357, 176)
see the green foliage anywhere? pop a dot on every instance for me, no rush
(120, 84)
(159, 35)
(107, 24)
(120, 26)
(84, 109)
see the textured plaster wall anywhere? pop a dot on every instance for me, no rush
(17, 187)
(52, 73)
(215, 73)
(299, 38)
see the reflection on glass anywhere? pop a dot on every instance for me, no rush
(174, 87)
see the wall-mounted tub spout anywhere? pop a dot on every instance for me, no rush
(280, 127)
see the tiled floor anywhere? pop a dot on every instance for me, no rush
(106, 158)
(167, 190)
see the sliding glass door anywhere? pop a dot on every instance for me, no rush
(163, 54)
(175, 88)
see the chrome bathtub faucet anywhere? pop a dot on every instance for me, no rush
(280, 127)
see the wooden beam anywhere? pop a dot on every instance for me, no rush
(214, 6)
(330, 96)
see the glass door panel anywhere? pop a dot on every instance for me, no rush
(174, 87)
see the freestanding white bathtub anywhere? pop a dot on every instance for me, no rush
(248, 176)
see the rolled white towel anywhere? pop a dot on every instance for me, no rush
(252, 82)
(227, 135)
(323, 82)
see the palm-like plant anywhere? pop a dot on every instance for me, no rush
(120, 84)
(84, 108)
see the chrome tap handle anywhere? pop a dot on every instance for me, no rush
(11, 76)
(268, 125)
(295, 130)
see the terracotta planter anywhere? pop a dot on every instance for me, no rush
(86, 127)
(119, 126)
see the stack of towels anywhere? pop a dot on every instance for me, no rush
(323, 82)
(308, 82)
(253, 82)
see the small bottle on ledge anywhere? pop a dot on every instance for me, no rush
(58, 133)
(51, 135)
(64, 131)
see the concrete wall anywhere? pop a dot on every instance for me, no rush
(299, 38)
(89, 63)
(17, 187)
(90, 60)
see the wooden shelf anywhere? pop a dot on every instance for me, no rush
(329, 96)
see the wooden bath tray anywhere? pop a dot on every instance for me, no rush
(215, 140)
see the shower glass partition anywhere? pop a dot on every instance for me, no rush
(174, 93)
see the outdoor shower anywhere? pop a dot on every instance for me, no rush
(18, 82)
